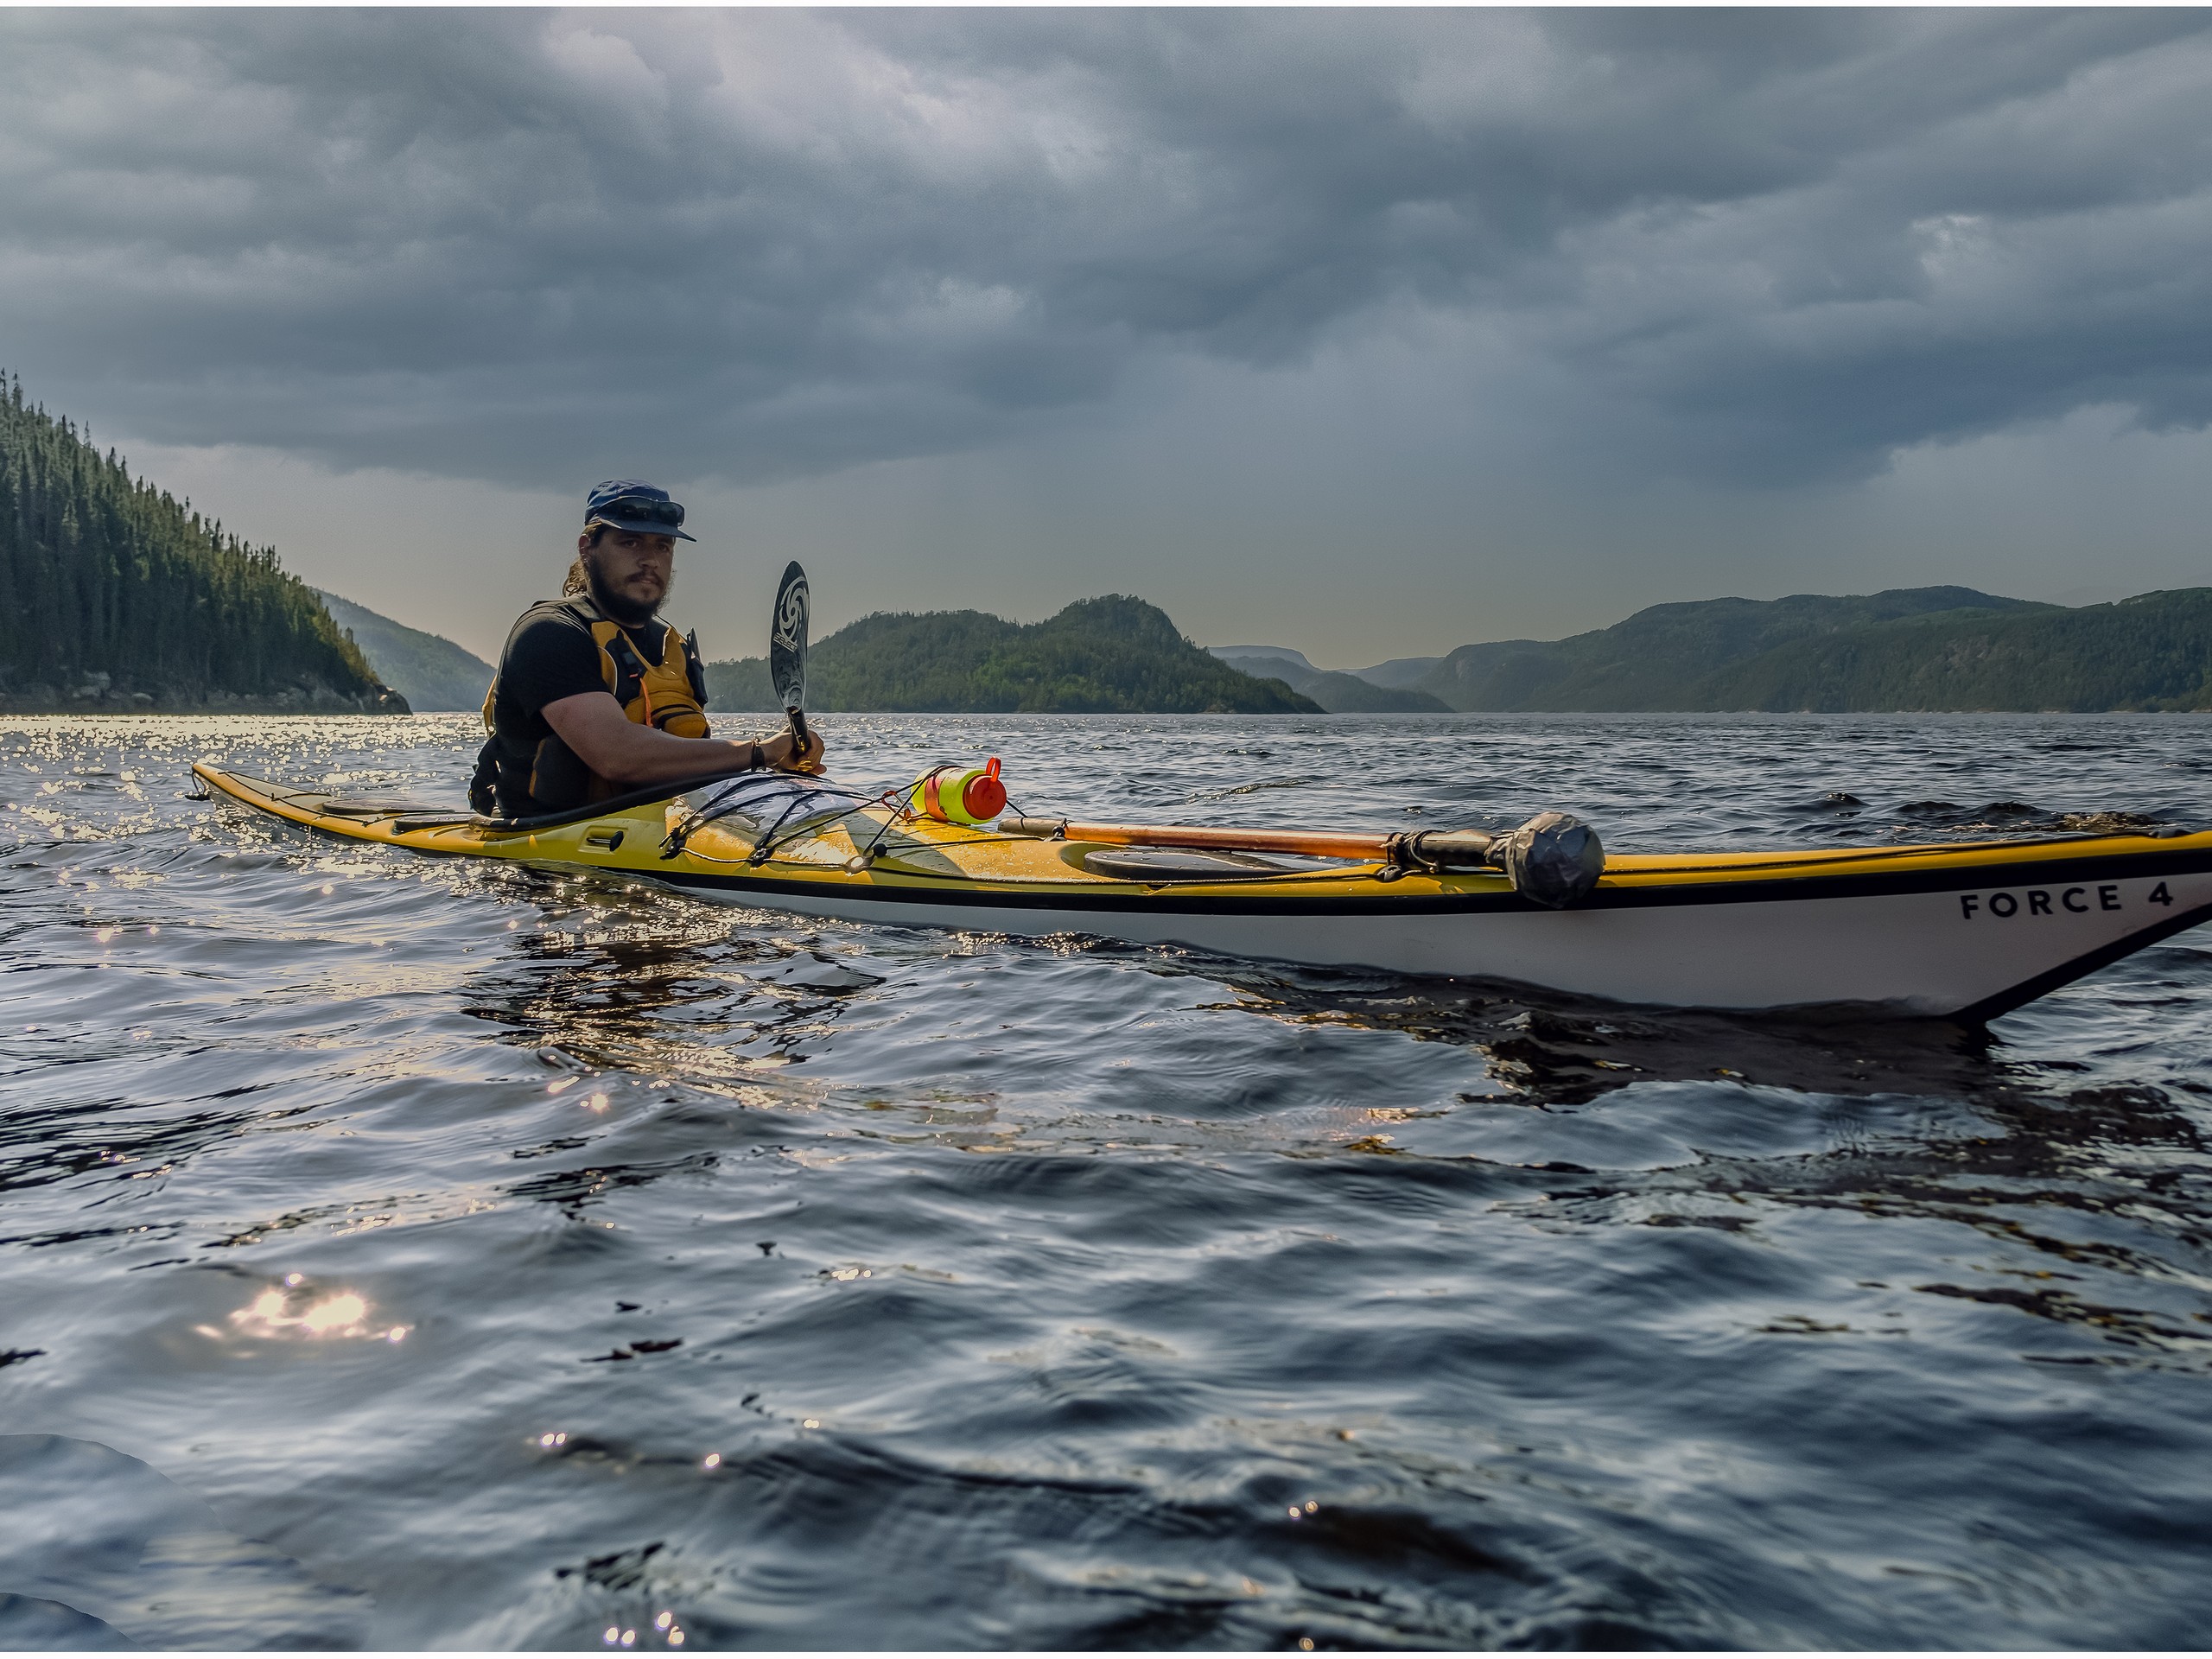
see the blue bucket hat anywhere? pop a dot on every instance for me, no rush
(633, 505)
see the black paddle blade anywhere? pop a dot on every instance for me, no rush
(787, 639)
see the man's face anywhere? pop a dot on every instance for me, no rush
(634, 569)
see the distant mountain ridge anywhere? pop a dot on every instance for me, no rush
(1399, 671)
(2150, 652)
(1907, 649)
(1663, 658)
(427, 668)
(1337, 693)
(1113, 655)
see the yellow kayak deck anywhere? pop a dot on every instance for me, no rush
(912, 854)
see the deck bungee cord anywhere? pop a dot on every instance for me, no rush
(799, 811)
(787, 793)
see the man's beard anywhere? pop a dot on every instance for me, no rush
(616, 607)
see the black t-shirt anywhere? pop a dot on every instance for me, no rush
(551, 655)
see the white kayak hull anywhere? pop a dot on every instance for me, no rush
(1968, 952)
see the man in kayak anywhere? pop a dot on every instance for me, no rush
(595, 695)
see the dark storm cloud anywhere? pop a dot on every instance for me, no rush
(1766, 246)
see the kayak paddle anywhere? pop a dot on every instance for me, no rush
(787, 653)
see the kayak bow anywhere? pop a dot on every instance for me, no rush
(1962, 929)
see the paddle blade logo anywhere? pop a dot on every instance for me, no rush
(787, 639)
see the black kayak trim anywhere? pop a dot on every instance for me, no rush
(2089, 961)
(1255, 898)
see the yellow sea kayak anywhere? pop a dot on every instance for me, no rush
(1966, 931)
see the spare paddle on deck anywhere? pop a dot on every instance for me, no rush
(787, 653)
(1554, 859)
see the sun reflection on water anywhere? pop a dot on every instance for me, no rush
(296, 1310)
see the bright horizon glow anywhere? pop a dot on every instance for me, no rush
(2008, 514)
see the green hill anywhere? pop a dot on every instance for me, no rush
(122, 598)
(427, 668)
(1696, 655)
(2153, 651)
(1337, 693)
(1115, 655)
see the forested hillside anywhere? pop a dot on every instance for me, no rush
(120, 597)
(1663, 658)
(2153, 651)
(1115, 655)
(1906, 650)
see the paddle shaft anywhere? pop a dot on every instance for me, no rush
(1311, 843)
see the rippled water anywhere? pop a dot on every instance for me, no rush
(404, 1252)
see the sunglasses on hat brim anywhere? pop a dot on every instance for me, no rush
(629, 510)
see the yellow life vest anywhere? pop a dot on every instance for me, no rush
(670, 693)
(516, 777)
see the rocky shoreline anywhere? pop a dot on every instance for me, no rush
(100, 694)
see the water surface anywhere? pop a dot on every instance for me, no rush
(404, 1252)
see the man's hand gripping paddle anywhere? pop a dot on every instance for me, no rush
(787, 654)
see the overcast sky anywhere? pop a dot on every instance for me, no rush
(1367, 333)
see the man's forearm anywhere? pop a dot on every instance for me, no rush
(647, 755)
(623, 752)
